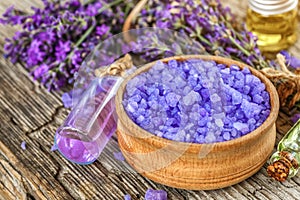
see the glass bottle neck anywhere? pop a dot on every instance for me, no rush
(273, 7)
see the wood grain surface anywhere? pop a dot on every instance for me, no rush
(28, 112)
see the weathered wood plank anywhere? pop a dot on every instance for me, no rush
(29, 113)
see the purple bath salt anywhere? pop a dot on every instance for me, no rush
(156, 195)
(127, 197)
(197, 101)
(23, 145)
(119, 156)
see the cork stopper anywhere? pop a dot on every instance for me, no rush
(280, 169)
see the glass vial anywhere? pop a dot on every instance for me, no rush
(274, 22)
(285, 162)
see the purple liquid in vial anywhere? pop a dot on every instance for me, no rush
(90, 124)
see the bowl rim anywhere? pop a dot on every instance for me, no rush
(249, 137)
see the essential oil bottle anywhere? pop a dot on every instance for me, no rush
(274, 22)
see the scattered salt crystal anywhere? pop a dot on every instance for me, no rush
(23, 145)
(127, 197)
(119, 156)
(67, 100)
(156, 195)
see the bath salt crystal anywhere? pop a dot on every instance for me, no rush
(191, 98)
(23, 145)
(67, 100)
(179, 82)
(225, 71)
(132, 106)
(236, 98)
(172, 99)
(226, 136)
(243, 127)
(127, 197)
(173, 64)
(180, 135)
(219, 116)
(187, 89)
(257, 99)
(219, 122)
(119, 156)
(210, 137)
(158, 66)
(167, 77)
(215, 98)
(156, 195)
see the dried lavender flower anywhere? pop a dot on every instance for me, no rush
(209, 23)
(291, 61)
(55, 40)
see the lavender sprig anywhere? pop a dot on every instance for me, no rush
(207, 22)
(55, 40)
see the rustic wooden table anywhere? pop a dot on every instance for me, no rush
(29, 113)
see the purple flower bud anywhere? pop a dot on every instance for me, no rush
(40, 71)
(102, 30)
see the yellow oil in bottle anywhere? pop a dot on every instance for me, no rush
(274, 32)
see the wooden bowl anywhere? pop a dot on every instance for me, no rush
(196, 166)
